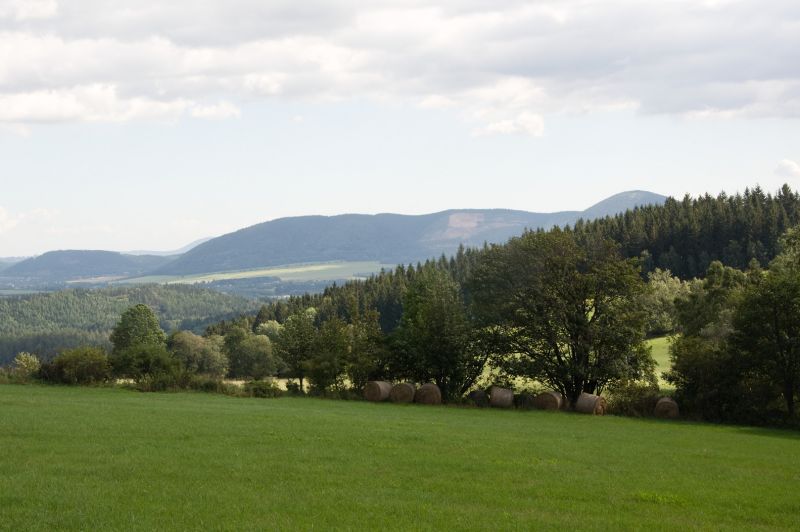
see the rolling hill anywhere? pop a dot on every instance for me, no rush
(385, 238)
(67, 265)
(379, 238)
(48, 322)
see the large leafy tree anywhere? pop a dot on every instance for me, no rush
(198, 354)
(325, 367)
(140, 345)
(434, 340)
(565, 313)
(367, 356)
(712, 380)
(249, 355)
(295, 344)
(767, 322)
(138, 326)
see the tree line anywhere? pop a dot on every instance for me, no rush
(49, 322)
(567, 309)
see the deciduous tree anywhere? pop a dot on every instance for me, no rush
(566, 314)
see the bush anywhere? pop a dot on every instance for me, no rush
(263, 389)
(146, 363)
(163, 381)
(82, 365)
(203, 383)
(26, 366)
(635, 399)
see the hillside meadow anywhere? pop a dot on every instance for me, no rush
(113, 459)
(323, 271)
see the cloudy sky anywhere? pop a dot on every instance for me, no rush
(148, 124)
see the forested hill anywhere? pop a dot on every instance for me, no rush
(82, 264)
(46, 323)
(684, 236)
(387, 238)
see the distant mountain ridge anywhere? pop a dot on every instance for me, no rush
(66, 265)
(387, 238)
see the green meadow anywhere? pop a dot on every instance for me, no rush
(113, 459)
(659, 348)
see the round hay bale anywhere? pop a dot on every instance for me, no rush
(428, 394)
(377, 391)
(548, 401)
(402, 393)
(523, 401)
(501, 397)
(666, 408)
(479, 398)
(589, 403)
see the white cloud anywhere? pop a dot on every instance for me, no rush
(525, 123)
(502, 65)
(86, 103)
(7, 221)
(788, 168)
(219, 111)
(28, 9)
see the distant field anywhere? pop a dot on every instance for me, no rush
(328, 271)
(111, 459)
(660, 351)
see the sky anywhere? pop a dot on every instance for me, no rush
(149, 124)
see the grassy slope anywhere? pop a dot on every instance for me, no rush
(112, 459)
(660, 351)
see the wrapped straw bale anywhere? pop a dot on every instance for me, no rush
(666, 408)
(377, 391)
(402, 393)
(428, 394)
(549, 401)
(479, 397)
(589, 403)
(501, 397)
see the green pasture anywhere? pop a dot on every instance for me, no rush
(660, 351)
(326, 271)
(112, 459)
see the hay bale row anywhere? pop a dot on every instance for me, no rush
(403, 393)
(589, 403)
(377, 391)
(499, 397)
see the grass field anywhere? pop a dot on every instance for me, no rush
(111, 459)
(326, 271)
(660, 352)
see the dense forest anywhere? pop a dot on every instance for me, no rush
(45, 323)
(686, 236)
